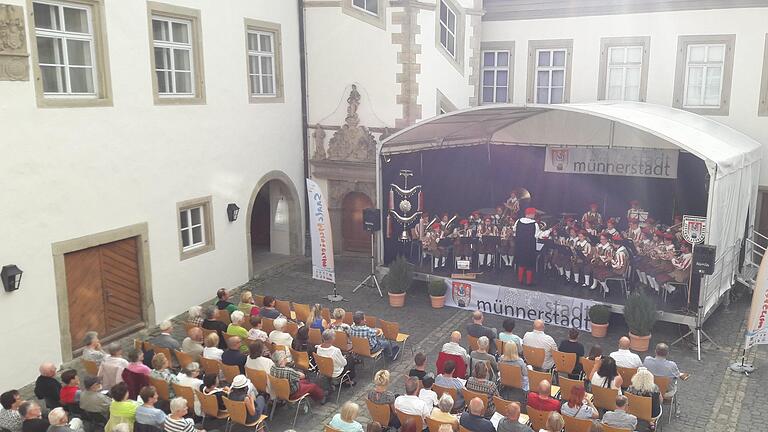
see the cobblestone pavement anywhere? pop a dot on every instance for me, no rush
(713, 399)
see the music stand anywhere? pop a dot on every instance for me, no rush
(492, 242)
(371, 280)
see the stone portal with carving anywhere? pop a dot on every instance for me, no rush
(14, 64)
(352, 142)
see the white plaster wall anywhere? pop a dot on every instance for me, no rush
(78, 171)
(749, 26)
(278, 236)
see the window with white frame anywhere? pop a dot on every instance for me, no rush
(261, 63)
(704, 75)
(370, 6)
(174, 56)
(495, 77)
(191, 223)
(550, 75)
(65, 49)
(624, 72)
(447, 28)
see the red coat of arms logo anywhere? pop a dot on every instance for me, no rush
(559, 158)
(462, 293)
(694, 229)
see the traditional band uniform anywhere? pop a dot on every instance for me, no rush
(592, 216)
(603, 254)
(617, 266)
(438, 253)
(581, 259)
(507, 246)
(487, 248)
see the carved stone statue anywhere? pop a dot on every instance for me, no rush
(352, 142)
(319, 137)
(13, 47)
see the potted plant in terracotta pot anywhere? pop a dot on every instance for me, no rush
(398, 280)
(437, 288)
(599, 315)
(640, 314)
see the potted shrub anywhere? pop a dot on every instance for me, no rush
(398, 280)
(640, 315)
(437, 288)
(599, 314)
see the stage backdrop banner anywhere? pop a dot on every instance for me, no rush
(320, 230)
(520, 304)
(757, 325)
(612, 161)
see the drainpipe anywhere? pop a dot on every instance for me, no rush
(304, 122)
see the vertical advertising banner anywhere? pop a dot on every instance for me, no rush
(320, 231)
(757, 325)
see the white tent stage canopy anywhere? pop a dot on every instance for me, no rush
(732, 158)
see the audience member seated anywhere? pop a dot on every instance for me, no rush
(426, 393)
(111, 369)
(92, 400)
(211, 387)
(92, 351)
(511, 420)
(454, 347)
(555, 423)
(477, 329)
(236, 328)
(480, 383)
(233, 356)
(147, 414)
(508, 336)
(419, 368)
(481, 355)
(605, 374)
(374, 336)
(256, 332)
(60, 422)
(247, 305)
(299, 385)
(193, 343)
(620, 418)
(10, 419)
(257, 361)
(595, 352)
(164, 339)
(338, 321)
(47, 387)
(345, 420)
(661, 367)
(643, 385)
(381, 395)
(538, 339)
(32, 417)
(177, 420)
(255, 405)
(446, 379)
(160, 370)
(542, 399)
(190, 376)
(511, 357)
(315, 319)
(341, 363)
(211, 323)
(301, 341)
(136, 364)
(409, 403)
(578, 405)
(279, 337)
(269, 311)
(211, 349)
(122, 409)
(70, 392)
(571, 345)
(473, 418)
(442, 413)
(195, 316)
(222, 302)
(624, 357)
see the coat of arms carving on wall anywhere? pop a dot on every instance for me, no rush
(352, 142)
(14, 64)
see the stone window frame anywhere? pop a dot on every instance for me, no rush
(498, 46)
(194, 16)
(456, 60)
(609, 42)
(377, 20)
(206, 203)
(533, 46)
(443, 103)
(103, 84)
(762, 109)
(277, 40)
(683, 41)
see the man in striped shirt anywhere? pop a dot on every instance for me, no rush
(376, 342)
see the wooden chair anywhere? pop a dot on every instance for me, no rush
(258, 378)
(663, 384)
(587, 365)
(566, 385)
(267, 324)
(187, 326)
(315, 337)
(535, 377)
(511, 376)
(341, 341)
(434, 425)
(206, 332)
(641, 407)
(302, 312)
(362, 348)
(347, 318)
(187, 393)
(379, 412)
(469, 395)
(534, 357)
(328, 428)
(326, 314)
(501, 404)
(325, 368)
(238, 415)
(626, 375)
(223, 316)
(440, 390)
(300, 360)
(499, 346)
(91, 367)
(564, 362)
(403, 417)
(282, 392)
(391, 331)
(162, 387)
(463, 429)
(291, 328)
(538, 418)
(604, 398)
(230, 371)
(472, 342)
(139, 345)
(210, 366)
(258, 300)
(607, 428)
(573, 424)
(183, 358)
(210, 406)
(284, 307)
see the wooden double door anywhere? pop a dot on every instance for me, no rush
(354, 237)
(103, 289)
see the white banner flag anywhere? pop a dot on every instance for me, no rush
(320, 229)
(631, 162)
(757, 325)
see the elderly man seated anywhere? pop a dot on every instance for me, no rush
(410, 403)
(10, 419)
(164, 339)
(60, 422)
(624, 357)
(538, 339)
(92, 400)
(111, 369)
(375, 340)
(511, 422)
(473, 418)
(297, 382)
(193, 343)
(542, 399)
(232, 356)
(47, 387)
(478, 329)
(619, 418)
(454, 347)
(340, 363)
(269, 310)
(659, 366)
(92, 351)
(223, 302)
(32, 417)
(279, 337)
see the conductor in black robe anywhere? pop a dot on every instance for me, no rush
(527, 232)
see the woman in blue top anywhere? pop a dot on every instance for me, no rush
(315, 319)
(345, 421)
(511, 357)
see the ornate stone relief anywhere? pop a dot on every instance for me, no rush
(352, 142)
(337, 190)
(319, 136)
(14, 58)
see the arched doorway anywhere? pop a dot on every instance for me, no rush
(354, 237)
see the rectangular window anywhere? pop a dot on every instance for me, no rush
(495, 72)
(703, 73)
(447, 28)
(373, 12)
(625, 65)
(195, 227)
(550, 75)
(261, 63)
(173, 52)
(370, 6)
